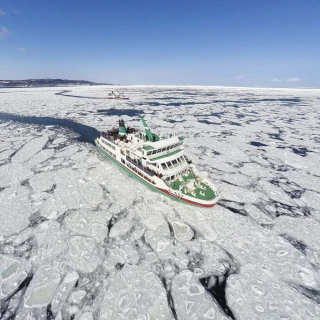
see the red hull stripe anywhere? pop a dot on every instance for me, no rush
(189, 201)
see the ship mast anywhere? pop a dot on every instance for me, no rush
(152, 137)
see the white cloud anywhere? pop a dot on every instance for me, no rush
(238, 77)
(3, 32)
(22, 49)
(276, 80)
(293, 79)
(2, 13)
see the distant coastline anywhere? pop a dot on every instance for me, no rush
(32, 83)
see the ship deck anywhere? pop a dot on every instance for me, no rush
(192, 186)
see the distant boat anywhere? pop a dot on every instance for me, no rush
(116, 96)
(157, 162)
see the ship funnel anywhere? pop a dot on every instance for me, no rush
(122, 128)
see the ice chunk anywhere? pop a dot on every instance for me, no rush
(304, 179)
(120, 228)
(77, 296)
(182, 231)
(275, 193)
(11, 174)
(42, 287)
(6, 154)
(135, 293)
(63, 291)
(67, 152)
(86, 316)
(257, 215)
(71, 192)
(12, 273)
(161, 245)
(42, 181)
(256, 294)
(41, 156)
(191, 300)
(49, 240)
(312, 199)
(118, 256)
(14, 204)
(30, 149)
(92, 224)
(83, 254)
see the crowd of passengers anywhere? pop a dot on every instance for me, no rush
(113, 134)
(140, 174)
(147, 170)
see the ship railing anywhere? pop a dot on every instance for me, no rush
(105, 136)
(161, 136)
(140, 167)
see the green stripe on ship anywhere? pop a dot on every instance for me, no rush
(136, 177)
(166, 155)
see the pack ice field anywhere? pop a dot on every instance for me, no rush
(81, 239)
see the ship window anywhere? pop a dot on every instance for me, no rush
(178, 159)
(164, 166)
(154, 151)
(174, 162)
(172, 177)
(149, 152)
(163, 149)
(167, 148)
(169, 164)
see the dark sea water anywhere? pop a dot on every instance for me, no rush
(86, 133)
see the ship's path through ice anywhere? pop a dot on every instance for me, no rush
(80, 239)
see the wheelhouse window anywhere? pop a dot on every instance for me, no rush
(174, 162)
(169, 164)
(164, 167)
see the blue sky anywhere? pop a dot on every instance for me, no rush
(215, 42)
